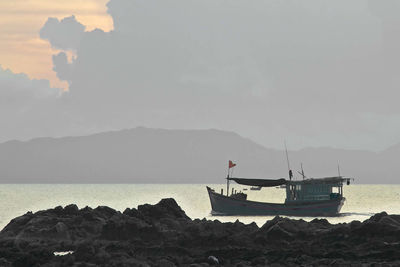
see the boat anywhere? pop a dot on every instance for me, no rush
(255, 188)
(306, 197)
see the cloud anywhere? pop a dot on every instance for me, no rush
(28, 107)
(308, 71)
(62, 67)
(19, 87)
(65, 34)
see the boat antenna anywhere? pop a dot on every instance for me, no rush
(338, 168)
(302, 171)
(288, 165)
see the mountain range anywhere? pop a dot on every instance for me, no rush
(144, 155)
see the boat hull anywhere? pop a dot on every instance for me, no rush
(223, 205)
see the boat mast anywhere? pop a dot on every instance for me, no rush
(288, 165)
(227, 183)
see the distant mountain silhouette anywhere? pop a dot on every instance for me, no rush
(143, 155)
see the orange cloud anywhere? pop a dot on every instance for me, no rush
(21, 49)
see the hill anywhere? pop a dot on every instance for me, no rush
(143, 155)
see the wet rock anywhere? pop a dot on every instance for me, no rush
(213, 260)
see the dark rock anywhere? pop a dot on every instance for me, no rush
(58, 210)
(163, 235)
(323, 222)
(71, 209)
(166, 208)
(277, 233)
(62, 231)
(132, 213)
(85, 252)
(105, 211)
(213, 260)
(164, 263)
(355, 224)
(5, 263)
(378, 216)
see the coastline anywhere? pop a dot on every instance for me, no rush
(362, 201)
(163, 235)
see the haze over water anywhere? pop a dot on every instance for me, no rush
(362, 201)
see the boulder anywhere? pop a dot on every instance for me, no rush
(166, 208)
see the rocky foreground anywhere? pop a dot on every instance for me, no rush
(162, 235)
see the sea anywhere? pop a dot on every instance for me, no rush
(362, 201)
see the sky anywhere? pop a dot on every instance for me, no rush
(22, 49)
(313, 72)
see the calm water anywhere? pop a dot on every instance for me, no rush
(362, 200)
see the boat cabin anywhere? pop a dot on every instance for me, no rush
(315, 189)
(307, 190)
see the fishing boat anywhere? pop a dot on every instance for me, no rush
(255, 188)
(309, 197)
(306, 197)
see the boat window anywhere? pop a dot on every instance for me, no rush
(335, 189)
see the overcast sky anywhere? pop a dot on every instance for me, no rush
(313, 72)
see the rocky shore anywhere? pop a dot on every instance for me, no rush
(162, 235)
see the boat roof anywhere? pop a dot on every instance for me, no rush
(259, 182)
(281, 181)
(323, 180)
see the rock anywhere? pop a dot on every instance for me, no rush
(118, 228)
(166, 208)
(132, 213)
(5, 263)
(71, 209)
(323, 222)
(165, 263)
(61, 228)
(378, 216)
(104, 211)
(163, 235)
(355, 225)
(277, 233)
(213, 260)
(259, 261)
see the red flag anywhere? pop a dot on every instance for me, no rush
(231, 164)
